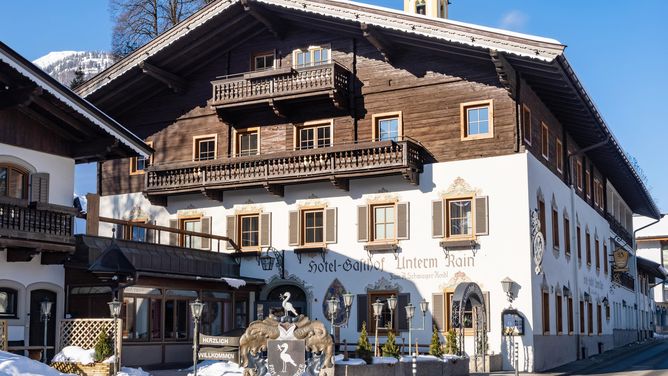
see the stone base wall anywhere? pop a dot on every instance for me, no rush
(96, 369)
(450, 368)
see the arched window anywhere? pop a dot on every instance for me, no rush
(8, 302)
(13, 181)
(420, 7)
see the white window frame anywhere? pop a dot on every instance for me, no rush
(196, 146)
(310, 50)
(313, 124)
(463, 114)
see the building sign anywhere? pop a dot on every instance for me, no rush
(286, 357)
(621, 260)
(218, 348)
(513, 322)
(408, 265)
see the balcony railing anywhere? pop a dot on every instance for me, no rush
(36, 221)
(280, 83)
(332, 163)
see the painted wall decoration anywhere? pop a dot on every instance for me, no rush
(537, 242)
(335, 289)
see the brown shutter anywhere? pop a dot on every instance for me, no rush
(293, 228)
(231, 230)
(402, 302)
(481, 216)
(437, 219)
(487, 310)
(437, 311)
(362, 224)
(39, 187)
(403, 220)
(174, 237)
(206, 228)
(362, 312)
(265, 229)
(330, 225)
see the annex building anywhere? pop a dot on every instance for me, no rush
(371, 151)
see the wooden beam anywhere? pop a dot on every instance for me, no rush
(95, 150)
(505, 72)
(49, 124)
(63, 116)
(19, 96)
(176, 83)
(272, 22)
(376, 38)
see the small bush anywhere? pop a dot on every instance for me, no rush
(435, 348)
(390, 347)
(363, 346)
(451, 342)
(104, 347)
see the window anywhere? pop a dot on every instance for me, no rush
(578, 173)
(605, 257)
(598, 193)
(460, 222)
(560, 156)
(588, 183)
(13, 182)
(138, 233)
(590, 319)
(546, 313)
(313, 55)
(8, 303)
(544, 141)
(314, 136)
(443, 310)
(588, 247)
(607, 312)
(387, 127)
(383, 222)
(599, 319)
(217, 316)
(460, 218)
(541, 217)
(582, 317)
(555, 228)
(262, 60)
(249, 231)
(312, 227)
(567, 236)
(477, 120)
(560, 317)
(139, 164)
(384, 321)
(569, 302)
(526, 124)
(578, 239)
(194, 223)
(597, 254)
(420, 7)
(247, 142)
(204, 147)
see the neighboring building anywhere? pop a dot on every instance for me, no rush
(45, 129)
(385, 153)
(652, 244)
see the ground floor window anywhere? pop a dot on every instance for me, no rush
(570, 315)
(8, 303)
(546, 312)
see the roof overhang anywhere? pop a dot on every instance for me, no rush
(652, 268)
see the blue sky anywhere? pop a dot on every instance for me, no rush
(617, 48)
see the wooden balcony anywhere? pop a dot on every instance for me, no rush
(29, 228)
(337, 164)
(281, 87)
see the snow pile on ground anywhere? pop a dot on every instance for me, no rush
(660, 336)
(75, 354)
(338, 360)
(215, 368)
(127, 371)
(17, 365)
(426, 358)
(384, 360)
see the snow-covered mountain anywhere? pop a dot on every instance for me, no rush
(61, 65)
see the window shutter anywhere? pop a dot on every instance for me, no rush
(330, 225)
(437, 311)
(362, 224)
(293, 228)
(39, 187)
(402, 302)
(150, 233)
(362, 311)
(265, 229)
(231, 230)
(403, 220)
(206, 228)
(487, 310)
(437, 219)
(481, 216)
(174, 237)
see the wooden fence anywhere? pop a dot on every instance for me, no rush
(84, 333)
(4, 335)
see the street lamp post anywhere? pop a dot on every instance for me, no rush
(333, 308)
(377, 310)
(45, 310)
(392, 305)
(410, 313)
(115, 312)
(196, 309)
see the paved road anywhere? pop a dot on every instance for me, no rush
(649, 359)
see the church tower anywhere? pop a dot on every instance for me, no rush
(431, 8)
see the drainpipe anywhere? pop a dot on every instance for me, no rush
(636, 287)
(573, 224)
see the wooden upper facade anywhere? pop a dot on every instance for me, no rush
(265, 94)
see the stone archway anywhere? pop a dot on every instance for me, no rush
(469, 311)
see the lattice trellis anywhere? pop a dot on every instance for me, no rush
(3, 335)
(84, 332)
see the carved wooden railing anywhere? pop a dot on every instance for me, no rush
(342, 161)
(280, 82)
(36, 221)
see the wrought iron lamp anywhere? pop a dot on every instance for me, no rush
(507, 285)
(266, 260)
(333, 308)
(115, 312)
(45, 311)
(377, 310)
(410, 313)
(196, 309)
(392, 305)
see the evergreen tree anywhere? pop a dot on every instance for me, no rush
(451, 342)
(78, 78)
(435, 348)
(103, 347)
(363, 345)
(390, 347)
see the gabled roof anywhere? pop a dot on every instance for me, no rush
(52, 102)
(539, 61)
